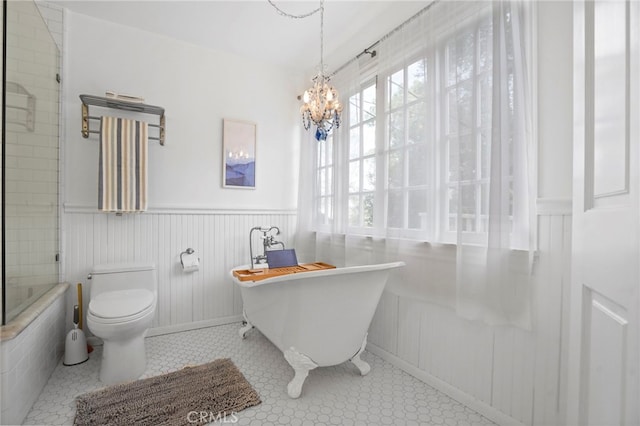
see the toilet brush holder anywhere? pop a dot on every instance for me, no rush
(75, 349)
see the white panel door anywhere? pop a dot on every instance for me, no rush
(604, 385)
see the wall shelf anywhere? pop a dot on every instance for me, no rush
(113, 103)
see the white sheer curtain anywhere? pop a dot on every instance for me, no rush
(430, 164)
(494, 132)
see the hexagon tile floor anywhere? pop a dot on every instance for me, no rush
(330, 396)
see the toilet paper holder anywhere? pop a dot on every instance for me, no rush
(187, 251)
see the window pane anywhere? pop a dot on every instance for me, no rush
(416, 75)
(485, 154)
(462, 121)
(322, 182)
(417, 132)
(329, 187)
(354, 110)
(369, 174)
(467, 158)
(452, 113)
(396, 128)
(468, 205)
(485, 99)
(464, 55)
(354, 176)
(354, 210)
(321, 153)
(369, 139)
(468, 199)
(484, 208)
(395, 166)
(354, 143)
(452, 208)
(417, 209)
(321, 210)
(396, 89)
(450, 53)
(369, 103)
(395, 209)
(486, 45)
(453, 159)
(329, 147)
(367, 205)
(417, 156)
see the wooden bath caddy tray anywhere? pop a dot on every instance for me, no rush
(264, 273)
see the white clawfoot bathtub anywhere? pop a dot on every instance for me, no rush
(317, 318)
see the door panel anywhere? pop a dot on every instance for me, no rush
(604, 330)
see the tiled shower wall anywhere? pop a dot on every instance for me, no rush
(28, 360)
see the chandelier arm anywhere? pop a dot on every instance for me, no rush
(288, 15)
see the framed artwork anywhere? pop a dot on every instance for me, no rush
(239, 154)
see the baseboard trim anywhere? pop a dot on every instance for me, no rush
(177, 328)
(482, 408)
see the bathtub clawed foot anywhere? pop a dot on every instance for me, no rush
(301, 364)
(246, 326)
(362, 365)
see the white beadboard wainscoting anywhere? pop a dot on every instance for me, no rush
(186, 300)
(510, 375)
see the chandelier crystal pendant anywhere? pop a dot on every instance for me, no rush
(321, 104)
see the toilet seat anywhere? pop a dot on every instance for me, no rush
(119, 306)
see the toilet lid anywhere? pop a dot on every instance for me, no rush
(121, 303)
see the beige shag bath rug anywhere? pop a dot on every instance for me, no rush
(193, 395)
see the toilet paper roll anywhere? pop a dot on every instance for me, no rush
(190, 262)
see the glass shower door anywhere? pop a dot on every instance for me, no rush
(30, 151)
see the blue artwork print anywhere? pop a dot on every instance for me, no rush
(239, 154)
(241, 173)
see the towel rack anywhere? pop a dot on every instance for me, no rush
(103, 102)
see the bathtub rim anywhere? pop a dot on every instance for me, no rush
(20, 323)
(311, 274)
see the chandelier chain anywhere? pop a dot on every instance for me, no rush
(322, 37)
(288, 15)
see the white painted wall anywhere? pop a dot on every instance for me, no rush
(555, 97)
(197, 87)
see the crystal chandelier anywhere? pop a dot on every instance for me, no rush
(321, 103)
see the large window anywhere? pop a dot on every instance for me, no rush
(324, 199)
(408, 147)
(362, 158)
(418, 149)
(465, 139)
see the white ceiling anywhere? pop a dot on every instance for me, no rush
(255, 28)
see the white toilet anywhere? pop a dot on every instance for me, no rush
(122, 303)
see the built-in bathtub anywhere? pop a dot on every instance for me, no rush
(317, 318)
(31, 346)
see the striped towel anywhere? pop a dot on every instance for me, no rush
(122, 174)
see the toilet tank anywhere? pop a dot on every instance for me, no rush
(122, 276)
